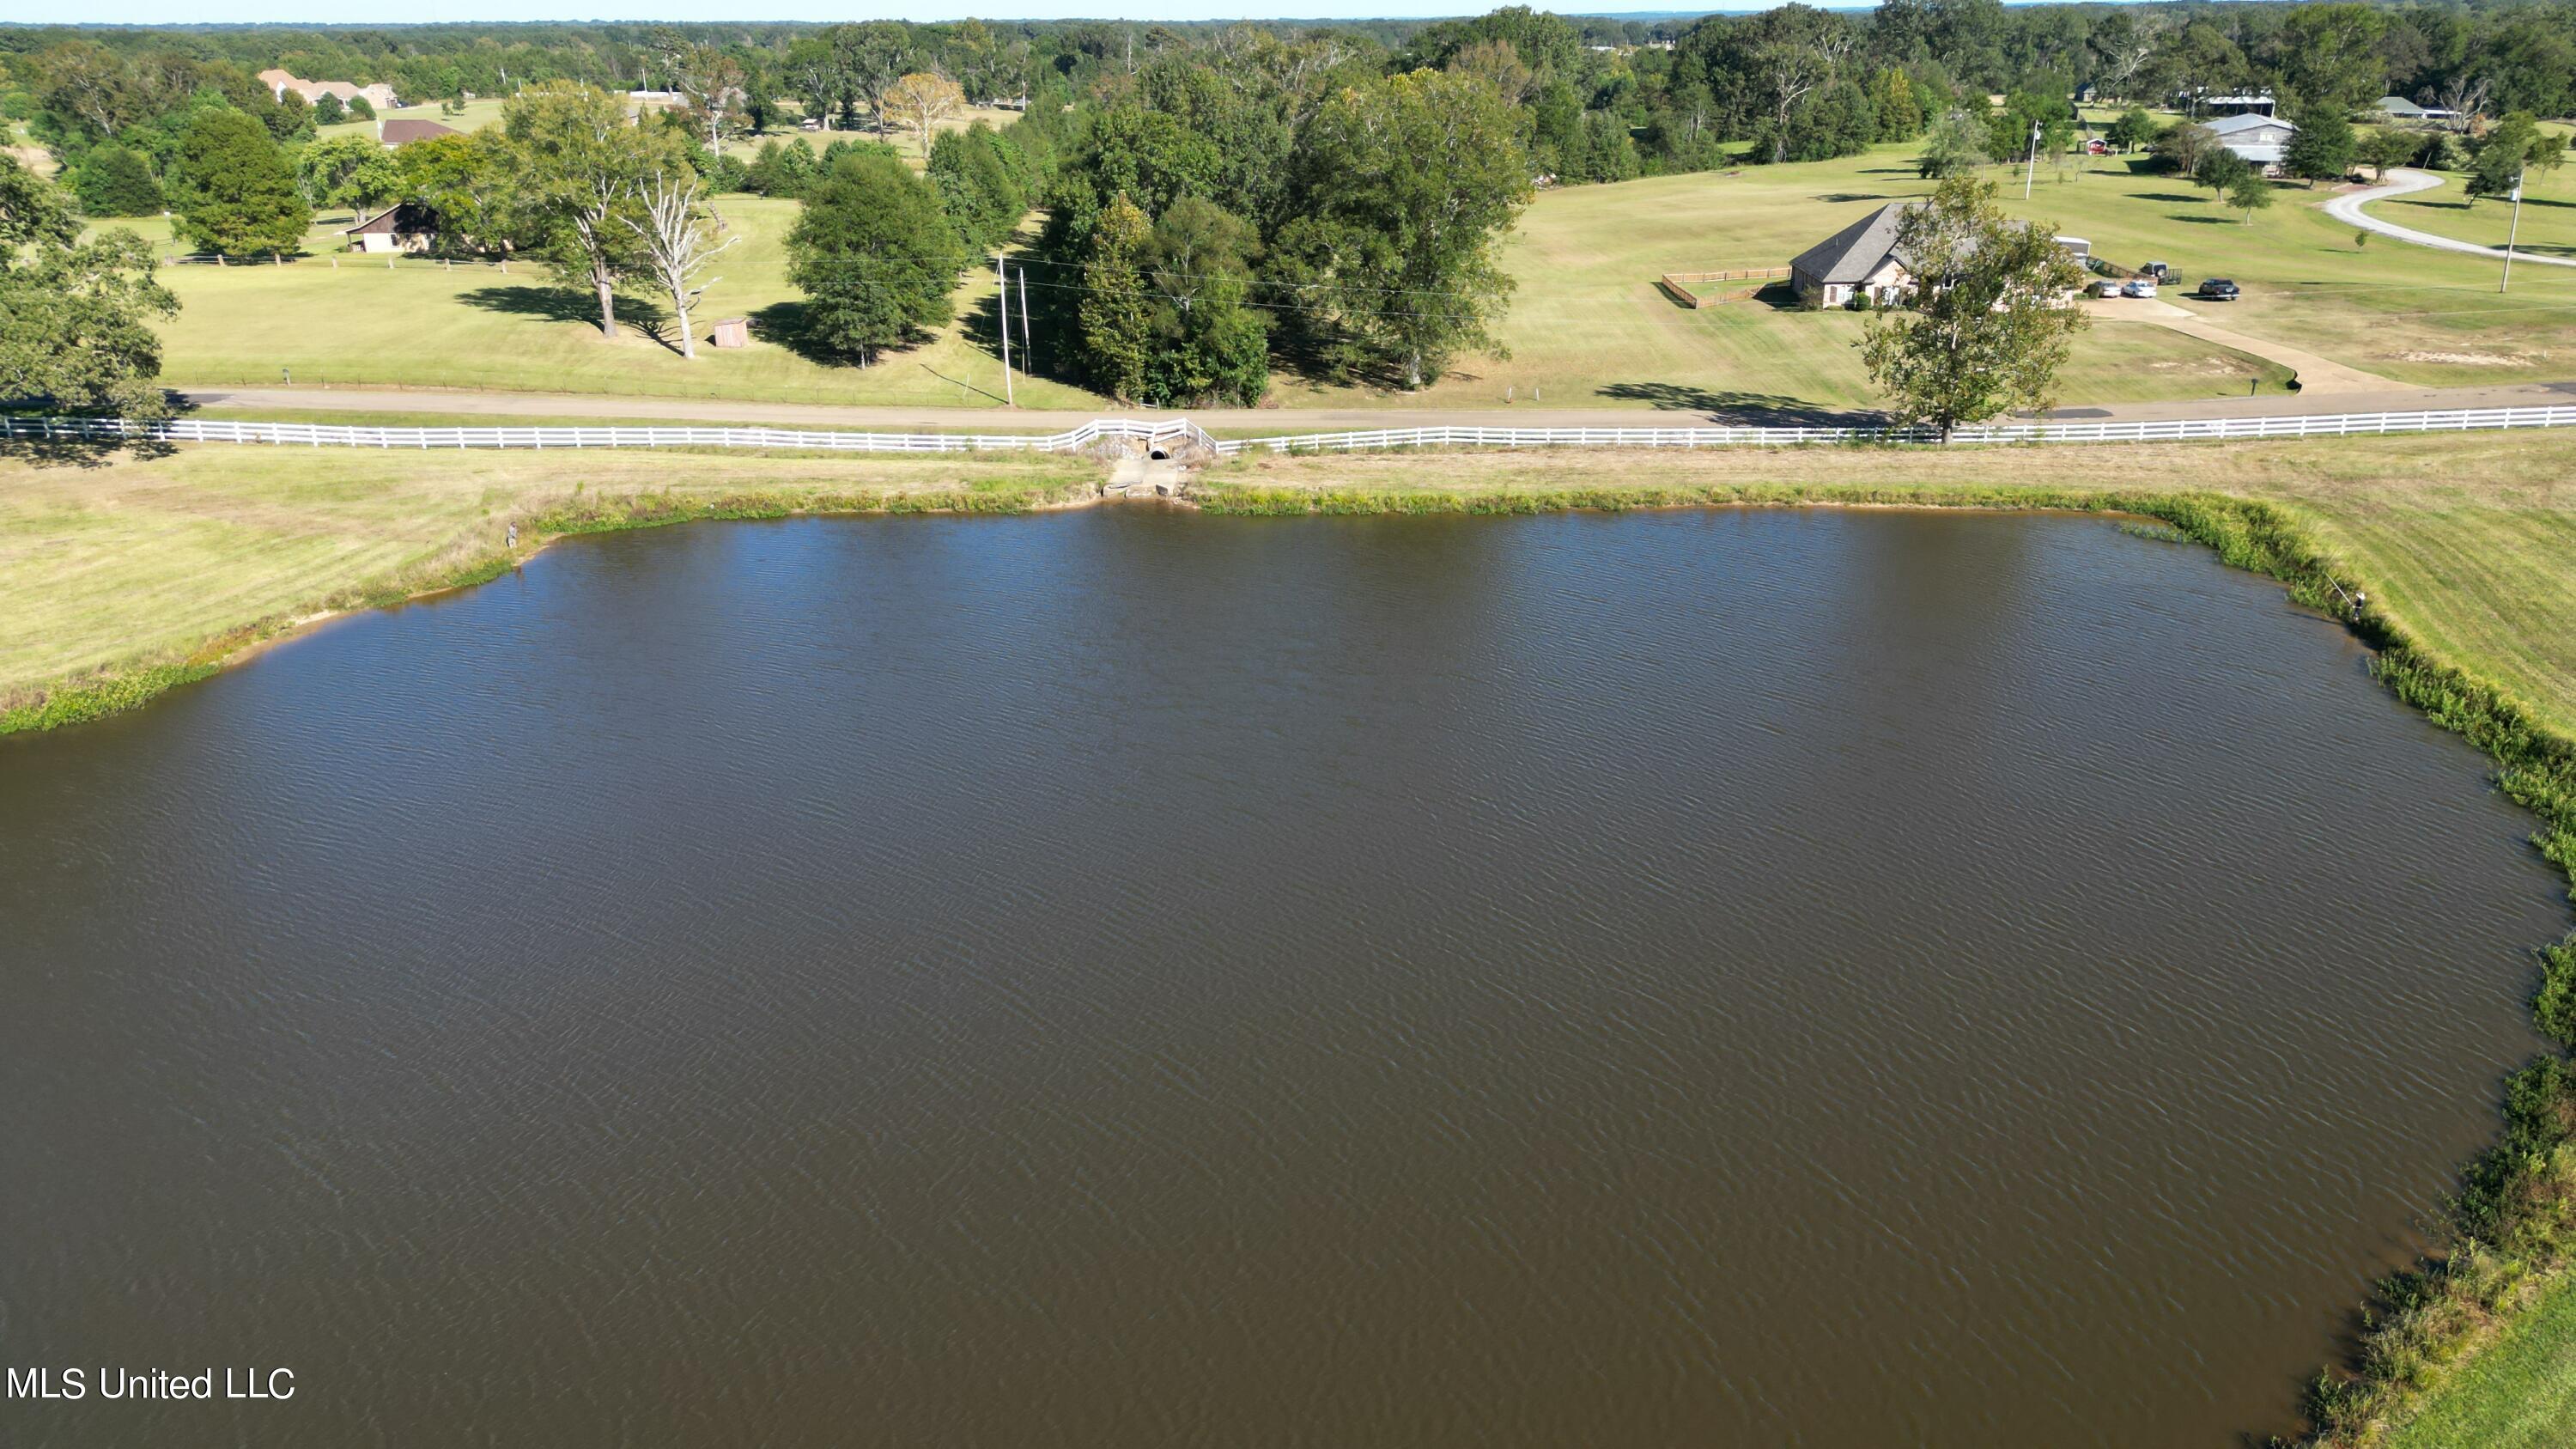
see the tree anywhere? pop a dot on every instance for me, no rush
(361, 109)
(2515, 146)
(1956, 147)
(1209, 345)
(2383, 147)
(328, 111)
(874, 255)
(920, 101)
(2182, 147)
(352, 171)
(678, 241)
(75, 316)
(2329, 57)
(113, 181)
(975, 186)
(2323, 147)
(574, 164)
(2133, 128)
(2220, 169)
(1406, 187)
(2249, 193)
(710, 81)
(1116, 314)
(1989, 321)
(236, 196)
(1897, 106)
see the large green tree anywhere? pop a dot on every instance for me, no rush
(1990, 318)
(75, 315)
(2323, 148)
(113, 181)
(1406, 188)
(874, 255)
(1210, 345)
(1117, 313)
(236, 193)
(574, 163)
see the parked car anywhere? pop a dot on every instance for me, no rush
(2107, 287)
(2159, 271)
(2138, 287)
(2218, 289)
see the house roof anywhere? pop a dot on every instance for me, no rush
(399, 218)
(2226, 126)
(401, 133)
(2399, 106)
(1851, 254)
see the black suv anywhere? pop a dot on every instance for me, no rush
(2218, 289)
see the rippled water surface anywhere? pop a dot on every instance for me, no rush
(1119, 979)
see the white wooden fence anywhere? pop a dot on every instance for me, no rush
(1181, 432)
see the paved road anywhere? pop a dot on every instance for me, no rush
(2402, 182)
(500, 405)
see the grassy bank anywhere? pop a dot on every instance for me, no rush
(2461, 539)
(119, 579)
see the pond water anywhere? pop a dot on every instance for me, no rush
(1120, 978)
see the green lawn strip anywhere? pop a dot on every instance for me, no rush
(2519, 1393)
(124, 577)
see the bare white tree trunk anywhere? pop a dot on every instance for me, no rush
(679, 241)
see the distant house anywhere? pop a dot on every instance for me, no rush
(1862, 262)
(406, 227)
(2398, 108)
(279, 82)
(2238, 103)
(404, 132)
(2258, 139)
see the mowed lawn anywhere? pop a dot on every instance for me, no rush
(2462, 538)
(347, 319)
(2519, 1394)
(1587, 326)
(144, 560)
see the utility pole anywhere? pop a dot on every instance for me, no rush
(2512, 235)
(1026, 351)
(1003, 280)
(2033, 173)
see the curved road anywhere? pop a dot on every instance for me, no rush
(2403, 182)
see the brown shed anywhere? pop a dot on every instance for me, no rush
(731, 332)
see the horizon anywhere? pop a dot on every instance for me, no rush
(319, 15)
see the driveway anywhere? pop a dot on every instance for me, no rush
(2403, 182)
(2317, 376)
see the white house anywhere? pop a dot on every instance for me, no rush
(2259, 139)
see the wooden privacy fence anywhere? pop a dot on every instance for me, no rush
(1179, 433)
(1707, 289)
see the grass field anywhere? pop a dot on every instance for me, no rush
(147, 560)
(2518, 1394)
(1588, 322)
(1587, 326)
(423, 323)
(2463, 539)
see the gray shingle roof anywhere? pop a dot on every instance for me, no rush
(1851, 254)
(2226, 126)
